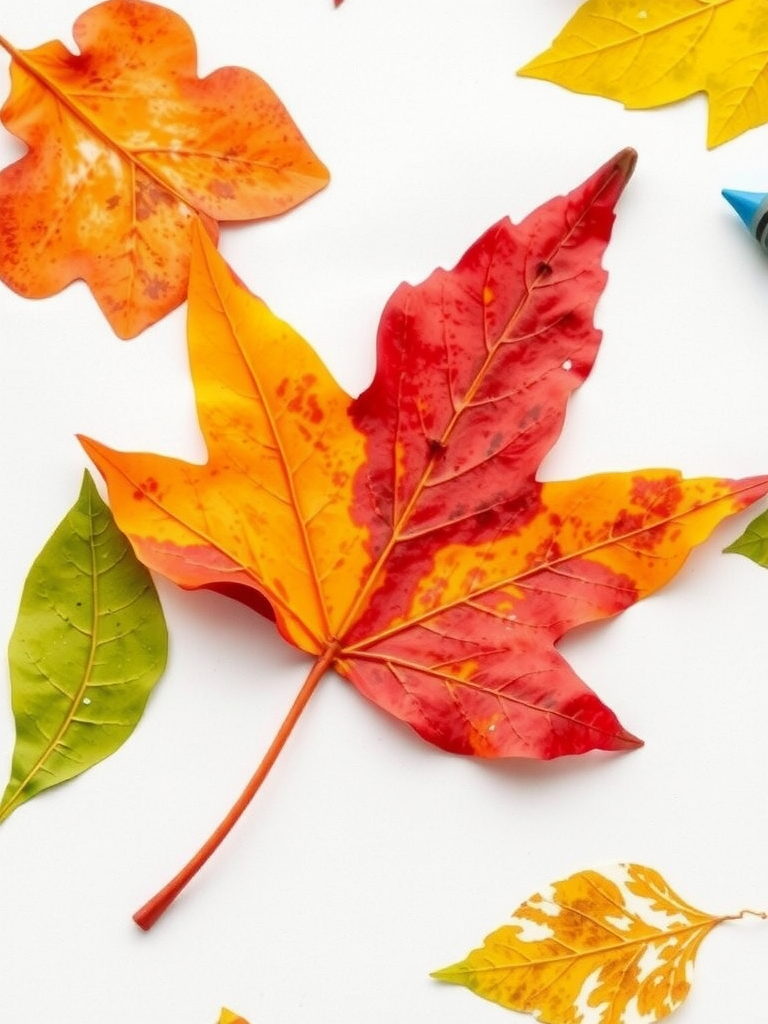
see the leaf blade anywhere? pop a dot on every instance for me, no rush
(753, 543)
(607, 946)
(412, 613)
(127, 149)
(451, 665)
(647, 55)
(457, 353)
(293, 487)
(230, 1017)
(87, 648)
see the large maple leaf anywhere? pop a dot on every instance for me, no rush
(127, 146)
(402, 537)
(646, 54)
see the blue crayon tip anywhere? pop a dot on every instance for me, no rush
(745, 203)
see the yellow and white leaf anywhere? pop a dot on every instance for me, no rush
(611, 947)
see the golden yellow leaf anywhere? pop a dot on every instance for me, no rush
(228, 1017)
(597, 948)
(646, 53)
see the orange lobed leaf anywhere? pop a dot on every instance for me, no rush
(402, 537)
(607, 947)
(127, 148)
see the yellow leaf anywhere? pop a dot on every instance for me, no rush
(597, 948)
(646, 53)
(228, 1017)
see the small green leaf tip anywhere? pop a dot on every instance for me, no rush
(753, 543)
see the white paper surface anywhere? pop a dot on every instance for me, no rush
(370, 858)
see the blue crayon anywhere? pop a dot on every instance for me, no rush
(752, 207)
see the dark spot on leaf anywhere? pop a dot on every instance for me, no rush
(222, 189)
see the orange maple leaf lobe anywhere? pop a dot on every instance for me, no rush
(266, 518)
(127, 148)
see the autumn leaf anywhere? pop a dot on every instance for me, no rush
(753, 543)
(646, 54)
(402, 537)
(89, 644)
(127, 147)
(228, 1017)
(600, 948)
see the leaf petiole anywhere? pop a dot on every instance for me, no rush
(155, 907)
(762, 914)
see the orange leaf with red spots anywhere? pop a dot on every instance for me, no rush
(402, 537)
(127, 148)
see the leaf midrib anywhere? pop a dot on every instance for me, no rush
(704, 926)
(294, 502)
(469, 684)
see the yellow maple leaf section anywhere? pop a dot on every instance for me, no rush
(598, 948)
(640, 526)
(270, 507)
(646, 53)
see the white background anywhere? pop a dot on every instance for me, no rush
(370, 858)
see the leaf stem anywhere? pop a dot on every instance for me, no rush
(746, 913)
(154, 908)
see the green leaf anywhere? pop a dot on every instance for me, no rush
(89, 644)
(753, 543)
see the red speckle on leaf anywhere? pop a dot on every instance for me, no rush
(314, 412)
(662, 496)
(154, 287)
(149, 486)
(222, 189)
(629, 522)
